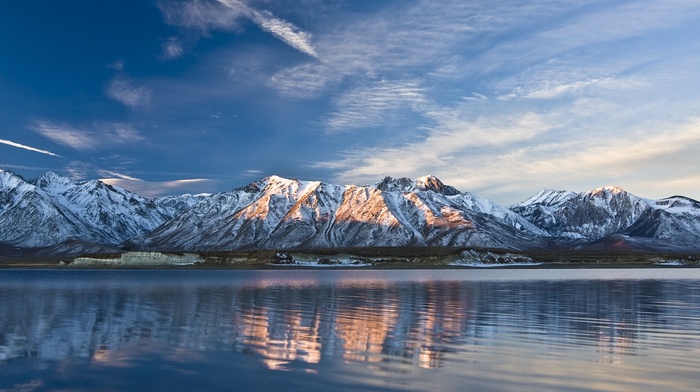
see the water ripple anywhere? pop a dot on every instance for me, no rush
(334, 329)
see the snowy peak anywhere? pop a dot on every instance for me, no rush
(280, 213)
(552, 197)
(10, 180)
(432, 183)
(53, 181)
(608, 193)
(610, 189)
(389, 184)
(677, 205)
(609, 211)
(405, 184)
(547, 197)
(176, 205)
(276, 212)
(112, 214)
(277, 184)
(31, 218)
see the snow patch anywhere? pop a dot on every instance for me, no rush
(670, 263)
(305, 260)
(137, 259)
(473, 258)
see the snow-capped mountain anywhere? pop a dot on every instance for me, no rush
(281, 213)
(30, 218)
(668, 223)
(425, 183)
(53, 210)
(587, 215)
(113, 212)
(66, 217)
(176, 205)
(674, 220)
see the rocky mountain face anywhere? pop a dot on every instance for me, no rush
(61, 216)
(280, 213)
(115, 213)
(611, 215)
(52, 210)
(30, 218)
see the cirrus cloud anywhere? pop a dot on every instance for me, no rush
(101, 135)
(226, 15)
(126, 91)
(153, 189)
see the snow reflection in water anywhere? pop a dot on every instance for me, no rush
(383, 330)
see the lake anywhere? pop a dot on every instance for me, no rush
(370, 330)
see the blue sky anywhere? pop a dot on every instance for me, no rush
(500, 98)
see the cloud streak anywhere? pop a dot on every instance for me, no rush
(284, 31)
(225, 15)
(279, 28)
(369, 106)
(118, 175)
(154, 189)
(102, 135)
(128, 93)
(25, 147)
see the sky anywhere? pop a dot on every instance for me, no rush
(498, 98)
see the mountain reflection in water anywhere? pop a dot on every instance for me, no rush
(372, 329)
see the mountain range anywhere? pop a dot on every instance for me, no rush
(53, 215)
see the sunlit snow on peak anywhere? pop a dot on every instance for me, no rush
(607, 189)
(425, 183)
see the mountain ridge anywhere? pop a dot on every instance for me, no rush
(62, 216)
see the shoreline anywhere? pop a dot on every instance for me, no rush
(361, 258)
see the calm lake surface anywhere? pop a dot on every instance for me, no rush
(373, 330)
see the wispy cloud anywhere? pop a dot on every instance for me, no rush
(370, 106)
(153, 189)
(172, 48)
(285, 31)
(80, 170)
(514, 159)
(128, 92)
(99, 136)
(118, 175)
(226, 15)
(446, 149)
(201, 15)
(25, 147)
(279, 28)
(24, 167)
(251, 173)
(117, 65)
(420, 39)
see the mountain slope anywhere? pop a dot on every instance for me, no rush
(587, 215)
(66, 217)
(113, 212)
(675, 220)
(281, 213)
(612, 215)
(30, 218)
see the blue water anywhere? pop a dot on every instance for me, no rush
(376, 330)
